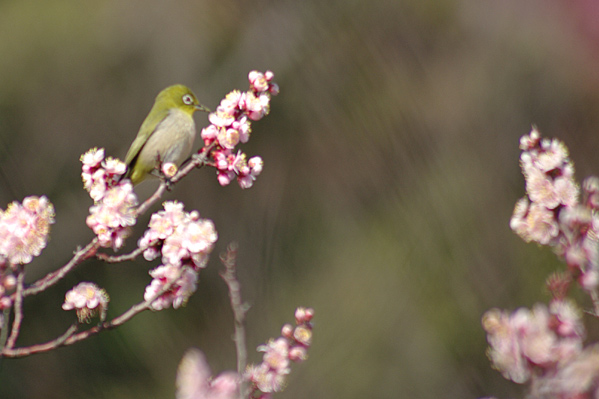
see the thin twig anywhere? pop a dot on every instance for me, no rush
(120, 258)
(4, 327)
(229, 260)
(18, 309)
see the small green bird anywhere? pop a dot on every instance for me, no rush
(166, 135)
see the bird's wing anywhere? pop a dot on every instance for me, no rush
(148, 127)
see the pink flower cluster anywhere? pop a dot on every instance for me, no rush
(113, 211)
(543, 346)
(24, 229)
(550, 186)
(270, 375)
(184, 241)
(24, 232)
(230, 125)
(194, 379)
(88, 300)
(552, 213)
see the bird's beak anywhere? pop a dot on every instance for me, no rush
(201, 107)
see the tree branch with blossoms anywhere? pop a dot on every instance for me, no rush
(543, 347)
(180, 239)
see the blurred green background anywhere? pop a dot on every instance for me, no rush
(391, 172)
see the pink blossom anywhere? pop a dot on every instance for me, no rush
(542, 226)
(183, 237)
(221, 118)
(256, 165)
(24, 229)
(210, 133)
(540, 189)
(162, 224)
(111, 217)
(270, 375)
(114, 166)
(99, 174)
(258, 81)
(266, 379)
(89, 301)
(92, 158)
(230, 125)
(576, 379)
(228, 138)
(256, 107)
(185, 280)
(568, 318)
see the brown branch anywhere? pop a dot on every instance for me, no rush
(120, 258)
(69, 337)
(52, 278)
(18, 307)
(229, 260)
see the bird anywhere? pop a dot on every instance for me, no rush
(166, 135)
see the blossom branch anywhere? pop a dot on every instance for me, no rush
(69, 337)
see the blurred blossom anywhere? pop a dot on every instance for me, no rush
(528, 340)
(554, 213)
(550, 186)
(89, 301)
(194, 380)
(576, 379)
(24, 229)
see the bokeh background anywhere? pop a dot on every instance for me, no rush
(391, 171)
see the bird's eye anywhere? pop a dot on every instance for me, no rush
(187, 99)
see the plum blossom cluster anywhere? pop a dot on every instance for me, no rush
(184, 241)
(553, 213)
(195, 381)
(231, 125)
(113, 212)
(24, 232)
(543, 347)
(270, 375)
(550, 186)
(24, 229)
(88, 300)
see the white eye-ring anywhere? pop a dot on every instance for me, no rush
(187, 99)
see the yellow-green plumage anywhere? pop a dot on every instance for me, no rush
(166, 135)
